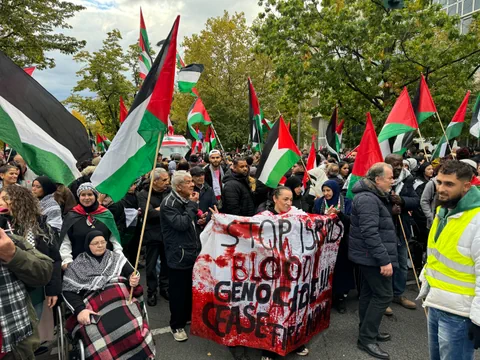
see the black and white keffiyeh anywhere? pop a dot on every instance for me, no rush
(87, 273)
(52, 211)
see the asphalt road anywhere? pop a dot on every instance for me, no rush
(407, 327)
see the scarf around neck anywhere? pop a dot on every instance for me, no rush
(216, 182)
(86, 273)
(92, 210)
(398, 182)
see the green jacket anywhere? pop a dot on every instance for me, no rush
(34, 269)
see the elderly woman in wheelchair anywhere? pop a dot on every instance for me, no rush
(96, 288)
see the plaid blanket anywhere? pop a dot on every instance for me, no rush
(121, 332)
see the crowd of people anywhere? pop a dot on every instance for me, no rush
(60, 243)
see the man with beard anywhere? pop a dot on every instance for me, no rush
(214, 173)
(451, 277)
(403, 199)
(237, 198)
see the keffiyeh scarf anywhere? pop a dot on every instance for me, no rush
(86, 273)
(52, 211)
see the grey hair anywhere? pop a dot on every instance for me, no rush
(178, 177)
(377, 170)
(158, 172)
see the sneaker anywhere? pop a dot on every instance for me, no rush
(302, 351)
(165, 294)
(407, 304)
(179, 335)
(266, 358)
(389, 311)
(341, 305)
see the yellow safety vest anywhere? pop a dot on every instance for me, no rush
(447, 268)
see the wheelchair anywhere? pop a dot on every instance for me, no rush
(73, 348)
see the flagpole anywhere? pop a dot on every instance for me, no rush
(152, 175)
(423, 143)
(444, 133)
(216, 135)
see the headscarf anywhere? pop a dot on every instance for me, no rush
(293, 182)
(421, 169)
(88, 239)
(86, 272)
(84, 187)
(48, 185)
(332, 184)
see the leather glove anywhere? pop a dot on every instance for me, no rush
(396, 210)
(474, 335)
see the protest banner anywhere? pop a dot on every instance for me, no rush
(265, 281)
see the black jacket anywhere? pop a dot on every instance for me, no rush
(373, 238)
(410, 202)
(237, 197)
(153, 228)
(207, 197)
(182, 244)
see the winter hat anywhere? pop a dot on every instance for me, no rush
(87, 186)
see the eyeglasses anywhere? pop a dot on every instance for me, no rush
(98, 243)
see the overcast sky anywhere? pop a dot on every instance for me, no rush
(101, 16)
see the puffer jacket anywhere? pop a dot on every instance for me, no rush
(373, 239)
(153, 228)
(182, 244)
(469, 246)
(237, 196)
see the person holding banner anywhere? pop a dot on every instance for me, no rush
(282, 200)
(373, 246)
(333, 202)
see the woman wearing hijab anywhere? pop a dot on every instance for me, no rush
(44, 189)
(333, 202)
(294, 183)
(96, 288)
(83, 218)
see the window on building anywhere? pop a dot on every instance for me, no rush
(466, 24)
(477, 4)
(467, 6)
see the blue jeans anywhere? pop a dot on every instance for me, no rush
(39, 310)
(448, 336)
(400, 273)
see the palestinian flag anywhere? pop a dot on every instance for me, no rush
(38, 127)
(368, 153)
(400, 120)
(311, 162)
(453, 130)
(144, 60)
(424, 107)
(331, 135)
(339, 134)
(279, 154)
(133, 149)
(256, 118)
(102, 142)
(475, 124)
(170, 127)
(123, 111)
(210, 140)
(197, 115)
(188, 77)
(30, 70)
(180, 62)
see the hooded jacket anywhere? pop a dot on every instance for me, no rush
(237, 197)
(468, 245)
(373, 239)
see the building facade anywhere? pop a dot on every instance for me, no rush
(464, 8)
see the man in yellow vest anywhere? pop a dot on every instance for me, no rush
(451, 277)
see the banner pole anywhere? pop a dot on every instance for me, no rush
(152, 175)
